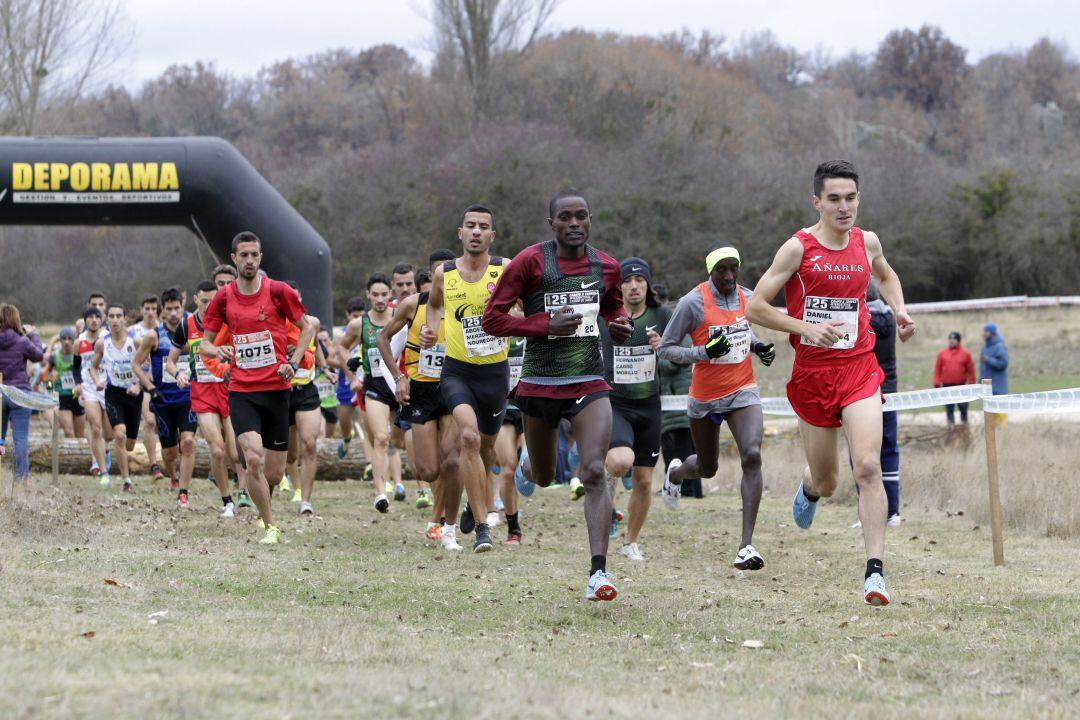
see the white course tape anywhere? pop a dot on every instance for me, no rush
(27, 399)
(1050, 401)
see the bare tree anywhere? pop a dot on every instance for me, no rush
(50, 53)
(476, 32)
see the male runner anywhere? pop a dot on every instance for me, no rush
(402, 280)
(149, 312)
(722, 387)
(257, 310)
(305, 420)
(209, 397)
(476, 377)
(123, 395)
(60, 365)
(346, 396)
(95, 300)
(379, 400)
(566, 286)
(630, 369)
(507, 445)
(174, 420)
(223, 275)
(835, 382)
(89, 392)
(434, 433)
(326, 381)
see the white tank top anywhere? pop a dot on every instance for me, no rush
(117, 362)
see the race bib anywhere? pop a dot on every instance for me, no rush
(431, 361)
(254, 350)
(739, 337)
(67, 380)
(203, 374)
(635, 364)
(845, 310)
(303, 373)
(374, 358)
(478, 342)
(516, 364)
(324, 386)
(583, 302)
(122, 374)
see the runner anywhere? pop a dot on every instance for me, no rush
(348, 399)
(149, 312)
(257, 311)
(325, 381)
(305, 420)
(402, 279)
(89, 393)
(434, 433)
(174, 420)
(60, 365)
(209, 397)
(722, 388)
(123, 395)
(630, 369)
(566, 286)
(223, 275)
(835, 382)
(379, 400)
(476, 376)
(95, 300)
(508, 447)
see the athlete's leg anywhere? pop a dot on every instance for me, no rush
(542, 442)
(640, 502)
(424, 458)
(79, 425)
(258, 471)
(449, 486)
(233, 446)
(592, 431)
(507, 457)
(862, 426)
(120, 444)
(66, 418)
(377, 429)
(150, 438)
(704, 463)
(95, 415)
(187, 458)
(472, 469)
(308, 424)
(345, 421)
(214, 433)
(822, 458)
(746, 427)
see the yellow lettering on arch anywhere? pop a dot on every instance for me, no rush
(169, 180)
(80, 177)
(22, 176)
(41, 176)
(99, 177)
(59, 173)
(121, 179)
(144, 176)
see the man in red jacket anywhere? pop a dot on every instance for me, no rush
(954, 367)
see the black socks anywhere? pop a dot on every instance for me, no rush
(599, 562)
(873, 565)
(225, 500)
(512, 522)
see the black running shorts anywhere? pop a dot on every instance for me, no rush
(265, 412)
(513, 417)
(425, 403)
(482, 387)
(72, 404)
(329, 414)
(636, 424)
(375, 388)
(123, 409)
(551, 410)
(302, 398)
(173, 420)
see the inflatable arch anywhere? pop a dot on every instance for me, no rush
(201, 183)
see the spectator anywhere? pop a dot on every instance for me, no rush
(954, 366)
(18, 344)
(994, 360)
(675, 441)
(883, 323)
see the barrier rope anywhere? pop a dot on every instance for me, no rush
(28, 399)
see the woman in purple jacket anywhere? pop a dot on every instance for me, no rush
(18, 344)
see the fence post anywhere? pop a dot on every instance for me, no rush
(56, 447)
(990, 433)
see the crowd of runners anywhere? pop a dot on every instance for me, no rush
(495, 375)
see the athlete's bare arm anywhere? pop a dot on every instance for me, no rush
(760, 311)
(95, 364)
(147, 345)
(405, 311)
(207, 348)
(889, 285)
(434, 314)
(183, 377)
(344, 345)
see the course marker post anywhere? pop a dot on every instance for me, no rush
(56, 447)
(990, 433)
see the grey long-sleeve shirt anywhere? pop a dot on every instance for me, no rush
(689, 313)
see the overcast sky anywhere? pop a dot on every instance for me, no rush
(240, 36)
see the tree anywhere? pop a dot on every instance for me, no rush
(50, 52)
(1048, 72)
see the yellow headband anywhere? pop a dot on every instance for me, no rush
(719, 254)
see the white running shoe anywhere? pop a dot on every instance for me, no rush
(449, 538)
(632, 552)
(492, 519)
(748, 559)
(895, 520)
(305, 508)
(382, 504)
(228, 511)
(671, 492)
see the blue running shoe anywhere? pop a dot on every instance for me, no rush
(399, 492)
(600, 587)
(628, 479)
(496, 469)
(342, 449)
(614, 524)
(802, 509)
(523, 484)
(874, 592)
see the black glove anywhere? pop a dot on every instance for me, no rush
(353, 364)
(718, 346)
(156, 396)
(767, 353)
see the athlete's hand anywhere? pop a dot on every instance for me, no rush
(134, 390)
(225, 353)
(157, 397)
(353, 364)
(824, 334)
(718, 347)
(183, 379)
(766, 352)
(401, 390)
(285, 371)
(565, 322)
(654, 339)
(78, 391)
(331, 375)
(357, 385)
(905, 326)
(621, 329)
(427, 338)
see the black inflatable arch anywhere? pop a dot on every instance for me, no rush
(201, 183)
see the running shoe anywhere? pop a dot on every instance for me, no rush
(600, 587)
(155, 472)
(388, 487)
(433, 532)
(628, 479)
(369, 473)
(182, 501)
(423, 500)
(522, 483)
(272, 536)
(802, 509)
(108, 462)
(104, 481)
(749, 559)
(286, 483)
(95, 470)
(448, 539)
(297, 495)
(671, 492)
(399, 492)
(513, 538)
(895, 520)
(305, 508)
(174, 484)
(857, 525)
(874, 592)
(467, 522)
(577, 488)
(342, 449)
(382, 504)
(614, 525)
(128, 485)
(483, 538)
(262, 524)
(492, 519)
(228, 511)
(499, 505)
(243, 499)
(632, 552)
(618, 515)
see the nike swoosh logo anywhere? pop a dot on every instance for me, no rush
(631, 269)
(586, 286)
(649, 328)
(497, 414)
(580, 399)
(656, 454)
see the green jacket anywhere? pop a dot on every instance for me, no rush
(674, 380)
